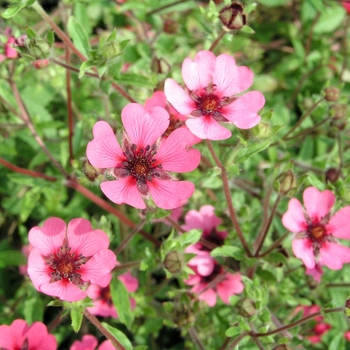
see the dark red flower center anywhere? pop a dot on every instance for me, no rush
(174, 124)
(217, 271)
(317, 232)
(213, 238)
(65, 265)
(105, 295)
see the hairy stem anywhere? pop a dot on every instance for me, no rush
(229, 198)
(275, 245)
(217, 40)
(195, 338)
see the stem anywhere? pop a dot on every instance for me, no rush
(276, 244)
(237, 340)
(69, 109)
(127, 265)
(303, 118)
(55, 322)
(26, 171)
(128, 239)
(103, 330)
(195, 338)
(165, 7)
(228, 198)
(72, 183)
(265, 229)
(219, 278)
(217, 40)
(338, 285)
(25, 117)
(301, 321)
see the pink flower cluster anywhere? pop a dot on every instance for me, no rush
(209, 277)
(64, 260)
(21, 336)
(9, 51)
(317, 231)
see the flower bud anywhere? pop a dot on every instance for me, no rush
(39, 64)
(90, 172)
(332, 175)
(284, 183)
(331, 94)
(174, 262)
(10, 52)
(338, 112)
(232, 16)
(183, 315)
(246, 307)
(39, 48)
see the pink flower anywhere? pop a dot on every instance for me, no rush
(65, 259)
(21, 336)
(88, 342)
(347, 335)
(106, 345)
(206, 220)
(346, 5)
(177, 120)
(103, 304)
(212, 85)
(316, 272)
(316, 232)
(26, 249)
(10, 52)
(223, 283)
(141, 167)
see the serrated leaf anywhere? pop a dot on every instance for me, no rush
(228, 251)
(12, 258)
(121, 301)
(76, 315)
(79, 36)
(134, 80)
(120, 336)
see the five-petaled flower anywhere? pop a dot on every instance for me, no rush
(141, 166)
(316, 232)
(64, 260)
(212, 84)
(21, 336)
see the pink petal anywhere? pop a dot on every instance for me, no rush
(334, 255)
(39, 339)
(303, 249)
(93, 291)
(198, 73)
(243, 111)
(193, 279)
(170, 194)
(83, 240)
(339, 224)
(123, 190)
(144, 127)
(204, 263)
(294, 219)
(316, 272)
(64, 290)
(38, 271)
(89, 342)
(232, 284)
(204, 219)
(101, 308)
(207, 128)
(10, 52)
(49, 237)
(178, 97)
(98, 269)
(12, 337)
(104, 150)
(106, 345)
(131, 283)
(230, 79)
(318, 204)
(209, 296)
(158, 99)
(174, 153)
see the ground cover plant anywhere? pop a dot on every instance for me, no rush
(174, 175)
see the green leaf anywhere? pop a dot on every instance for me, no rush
(33, 309)
(30, 33)
(330, 20)
(190, 237)
(315, 182)
(12, 258)
(121, 301)
(134, 80)
(228, 251)
(11, 11)
(247, 30)
(120, 336)
(29, 202)
(233, 332)
(76, 315)
(249, 8)
(84, 67)
(79, 36)
(50, 37)
(105, 86)
(252, 149)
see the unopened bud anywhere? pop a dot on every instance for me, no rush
(39, 64)
(332, 175)
(21, 41)
(170, 26)
(331, 94)
(90, 172)
(111, 50)
(284, 183)
(39, 48)
(246, 307)
(173, 262)
(232, 16)
(183, 315)
(338, 112)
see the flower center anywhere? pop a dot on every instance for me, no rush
(105, 295)
(174, 124)
(65, 265)
(208, 104)
(317, 232)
